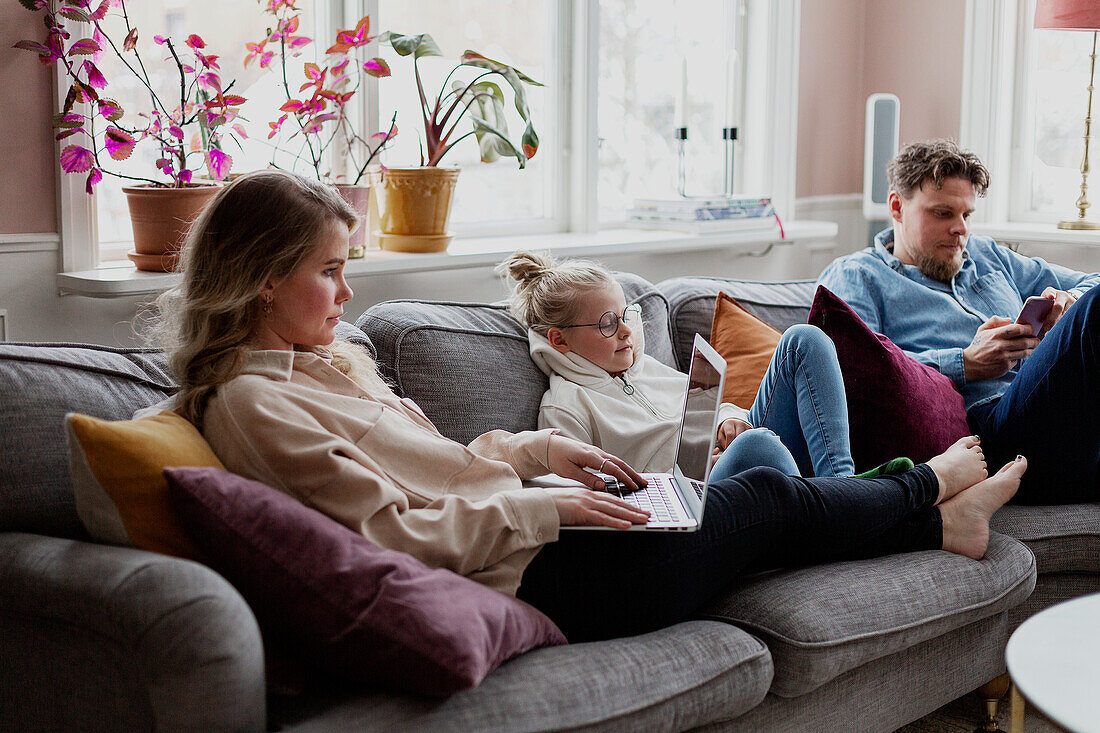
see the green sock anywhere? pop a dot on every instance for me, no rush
(890, 468)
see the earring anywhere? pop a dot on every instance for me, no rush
(266, 306)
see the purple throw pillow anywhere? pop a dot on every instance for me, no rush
(343, 604)
(896, 405)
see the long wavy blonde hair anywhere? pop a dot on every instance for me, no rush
(261, 226)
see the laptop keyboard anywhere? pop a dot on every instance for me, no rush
(660, 502)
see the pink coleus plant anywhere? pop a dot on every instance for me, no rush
(188, 131)
(314, 116)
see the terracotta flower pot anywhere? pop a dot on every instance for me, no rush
(359, 199)
(414, 206)
(160, 218)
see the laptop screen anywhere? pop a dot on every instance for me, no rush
(703, 398)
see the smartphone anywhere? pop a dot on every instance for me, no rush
(1035, 312)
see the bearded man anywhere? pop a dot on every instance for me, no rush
(950, 300)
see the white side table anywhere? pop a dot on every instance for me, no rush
(1054, 661)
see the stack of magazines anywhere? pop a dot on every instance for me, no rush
(703, 214)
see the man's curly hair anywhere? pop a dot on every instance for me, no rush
(935, 161)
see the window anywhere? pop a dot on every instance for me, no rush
(644, 47)
(1024, 103)
(611, 71)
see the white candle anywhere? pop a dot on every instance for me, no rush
(682, 97)
(731, 89)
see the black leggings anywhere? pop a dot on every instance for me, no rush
(597, 585)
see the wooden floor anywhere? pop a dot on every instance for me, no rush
(965, 714)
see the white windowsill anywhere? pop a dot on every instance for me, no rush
(1027, 232)
(124, 280)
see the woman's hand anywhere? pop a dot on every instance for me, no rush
(730, 429)
(570, 458)
(595, 508)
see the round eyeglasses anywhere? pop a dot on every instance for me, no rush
(609, 322)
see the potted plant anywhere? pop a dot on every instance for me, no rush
(415, 203)
(187, 130)
(314, 127)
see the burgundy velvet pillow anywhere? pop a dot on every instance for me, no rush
(896, 405)
(341, 603)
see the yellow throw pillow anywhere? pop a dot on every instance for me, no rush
(747, 345)
(118, 482)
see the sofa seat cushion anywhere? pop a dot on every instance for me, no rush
(1065, 539)
(691, 305)
(468, 365)
(819, 622)
(674, 679)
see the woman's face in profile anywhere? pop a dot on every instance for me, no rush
(307, 304)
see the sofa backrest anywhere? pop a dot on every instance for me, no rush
(691, 305)
(41, 382)
(468, 366)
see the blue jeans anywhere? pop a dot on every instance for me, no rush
(752, 448)
(597, 585)
(802, 401)
(1051, 412)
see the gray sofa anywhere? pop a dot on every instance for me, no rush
(99, 637)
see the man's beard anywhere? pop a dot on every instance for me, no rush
(939, 270)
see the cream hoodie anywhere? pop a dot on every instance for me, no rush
(634, 416)
(376, 464)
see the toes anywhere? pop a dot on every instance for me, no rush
(1016, 467)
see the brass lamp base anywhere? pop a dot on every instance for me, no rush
(1078, 224)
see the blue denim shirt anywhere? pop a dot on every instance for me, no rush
(932, 321)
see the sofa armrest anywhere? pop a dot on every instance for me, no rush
(110, 638)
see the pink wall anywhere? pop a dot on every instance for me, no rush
(26, 143)
(853, 48)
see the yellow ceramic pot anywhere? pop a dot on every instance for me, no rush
(414, 208)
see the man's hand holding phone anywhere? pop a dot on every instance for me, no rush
(997, 346)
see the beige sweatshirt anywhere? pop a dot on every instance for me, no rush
(376, 464)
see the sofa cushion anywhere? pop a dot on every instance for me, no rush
(896, 405)
(747, 344)
(691, 305)
(1065, 539)
(347, 607)
(468, 366)
(118, 481)
(39, 384)
(678, 678)
(820, 622)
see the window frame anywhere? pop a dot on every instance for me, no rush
(770, 73)
(995, 89)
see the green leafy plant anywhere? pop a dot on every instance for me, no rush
(481, 99)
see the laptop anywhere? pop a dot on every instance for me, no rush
(676, 500)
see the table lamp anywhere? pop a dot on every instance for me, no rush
(1075, 15)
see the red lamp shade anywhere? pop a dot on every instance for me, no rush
(1068, 15)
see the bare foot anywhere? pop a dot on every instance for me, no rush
(966, 516)
(959, 467)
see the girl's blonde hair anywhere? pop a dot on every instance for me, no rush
(259, 227)
(545, 292)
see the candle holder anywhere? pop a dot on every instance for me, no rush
(729, 134)
(681, 155)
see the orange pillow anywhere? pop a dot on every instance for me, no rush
(118, 481)
(747, 345)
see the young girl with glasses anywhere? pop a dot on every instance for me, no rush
(605, 390)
